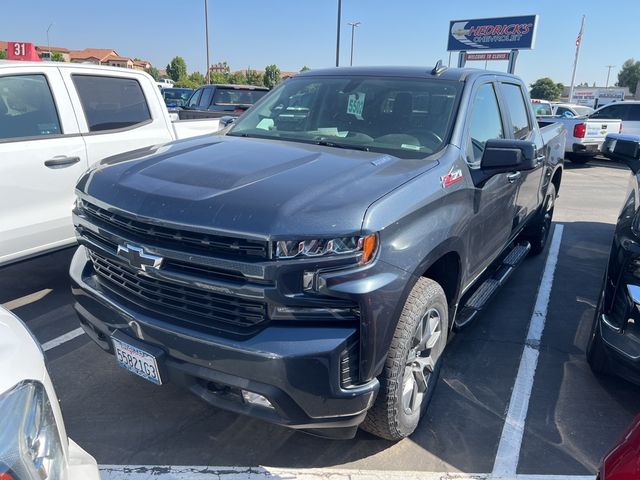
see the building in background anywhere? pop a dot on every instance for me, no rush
(595, 97)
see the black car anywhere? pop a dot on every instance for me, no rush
(221, 100)
(614, 345)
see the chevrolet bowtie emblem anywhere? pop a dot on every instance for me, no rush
(138, 258)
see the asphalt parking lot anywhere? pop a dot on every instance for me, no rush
(573, 417)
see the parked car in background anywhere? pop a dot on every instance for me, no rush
(221, 100)
(622, 462)
(614, 345)
(57, 120)
(585, 135)
(570, 110)
(628, 111)
(176, 97)
(307, 267)
(33, 441)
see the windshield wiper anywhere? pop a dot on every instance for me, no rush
(327, 143)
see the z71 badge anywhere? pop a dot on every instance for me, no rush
(454, 176)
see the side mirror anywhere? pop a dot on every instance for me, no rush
(502, 155)
(227, 120)
(623, 148)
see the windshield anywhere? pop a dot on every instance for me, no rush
(583, 111)
(237, 96)
(409, 118)
(176, 95)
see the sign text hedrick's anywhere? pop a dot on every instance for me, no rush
(492, 33)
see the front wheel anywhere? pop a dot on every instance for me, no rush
(412, 367)
(539, 231)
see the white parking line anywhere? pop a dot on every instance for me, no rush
(159, 472)
(27, 299)
(62, 339)
(506, 462)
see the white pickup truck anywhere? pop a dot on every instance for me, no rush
(58, 119)
(585, 135)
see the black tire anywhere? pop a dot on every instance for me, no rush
(538, 234)
(400, 403)
(596, 352)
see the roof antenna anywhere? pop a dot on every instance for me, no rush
(439, 68)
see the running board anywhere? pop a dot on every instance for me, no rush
(485, 291)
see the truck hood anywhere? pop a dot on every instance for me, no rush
(254, 187)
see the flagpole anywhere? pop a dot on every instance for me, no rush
(575, 62)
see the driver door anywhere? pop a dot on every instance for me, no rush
(494, 199)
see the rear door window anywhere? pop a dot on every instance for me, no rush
(27, 108)
(633, 112)
(485, 124)
(110, 102)
(518, 110)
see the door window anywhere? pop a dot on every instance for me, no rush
(486, 124)
(27, 108)
(611, 112)
(517, 109)
(110, 102)
(633, 112)
(205, 100)
(195, 98)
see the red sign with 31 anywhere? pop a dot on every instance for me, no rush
(22, 51)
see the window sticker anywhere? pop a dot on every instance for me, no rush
(355, 105)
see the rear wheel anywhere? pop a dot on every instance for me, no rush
(538, 234)
(412, 367)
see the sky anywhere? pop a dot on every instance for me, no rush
(295, 33)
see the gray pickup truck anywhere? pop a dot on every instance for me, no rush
(307, 265)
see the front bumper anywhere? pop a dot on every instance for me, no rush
(296, 368)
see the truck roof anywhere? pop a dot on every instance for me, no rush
(456, 74)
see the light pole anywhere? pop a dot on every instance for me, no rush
(338, 34)
(206, 30)
(353, 30)
(49, 43)
(609, 67)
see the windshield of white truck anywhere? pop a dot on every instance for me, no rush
(408, 118)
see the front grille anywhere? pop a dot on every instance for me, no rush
(172, 237)
(199, 308)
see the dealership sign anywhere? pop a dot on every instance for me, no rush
(487, 56)
(493, 33)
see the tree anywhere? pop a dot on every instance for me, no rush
(154, 72)
(271, 76)
(237, 78)
(3, 54)
(57, 57)
(304, 69)
(629, 75)
(177, 68)
(197, 78)
(546, 89)
(217, 77)
(254, 78)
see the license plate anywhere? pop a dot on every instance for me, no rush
(137, 361)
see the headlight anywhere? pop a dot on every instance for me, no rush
(30, 447)
(322, 247)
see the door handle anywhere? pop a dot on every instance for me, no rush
(513, 177)
(61, 161)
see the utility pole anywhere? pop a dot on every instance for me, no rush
(609, 67)
(338, 34)
(206, 30)
(353, 30)
(575, 62)
(48, 42)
